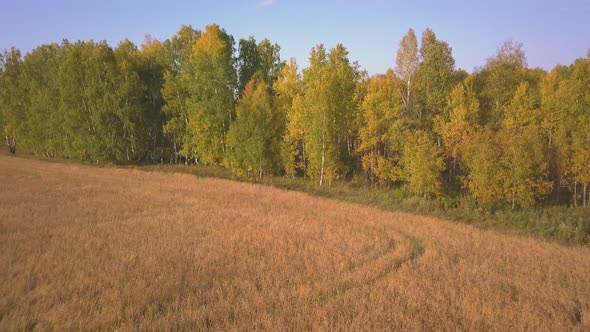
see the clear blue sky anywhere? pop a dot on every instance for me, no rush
(553, 32)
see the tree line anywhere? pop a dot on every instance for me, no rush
(504, 135)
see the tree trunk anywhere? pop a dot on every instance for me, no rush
(372, 165)
(557, 186)
(175, 154)
(408, 105)
(303, 158)
(584, 194)
(323, 159)
(324, 128)
(349, 146)
(154, 149)
(11, 142)
(575, 194)
(452, 169)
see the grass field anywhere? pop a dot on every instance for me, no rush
(102, 248)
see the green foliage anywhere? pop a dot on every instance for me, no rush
(100, 115)
(524, 167)
(510, 137)
(260, 62)
(134, 112)
(248, 61)
(321, 132)
(484, 175)
(498, 81)
(289, 104)
(178, 76)
(552, 113)
(211, 96)
(435, 78)
(151, 67)
(13, 98)
(423, 165)
(255, 135)
(507, 167)
(329, 101)
(523, 111)
(43, 119)
(271, 65)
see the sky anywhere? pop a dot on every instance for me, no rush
(552, 32)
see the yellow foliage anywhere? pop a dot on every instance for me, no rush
(379, 111)
(211, 43)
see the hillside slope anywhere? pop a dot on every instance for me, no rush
(100, 248)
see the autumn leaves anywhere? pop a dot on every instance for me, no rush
(504, 135)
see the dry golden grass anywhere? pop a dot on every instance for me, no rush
(97, 248)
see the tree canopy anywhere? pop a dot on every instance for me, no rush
(505, 135)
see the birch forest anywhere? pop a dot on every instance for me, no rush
(505, 135)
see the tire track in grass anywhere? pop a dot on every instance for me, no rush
(401, 251)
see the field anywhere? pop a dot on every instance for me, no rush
(101, 248)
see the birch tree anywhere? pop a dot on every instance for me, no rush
(178, 76)
(211, 102)
(380, 114)
(289, 102)
(254, 136)
(330, 87)
(423, 164)
(434, 78)
(406, 65)
(12, 97)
